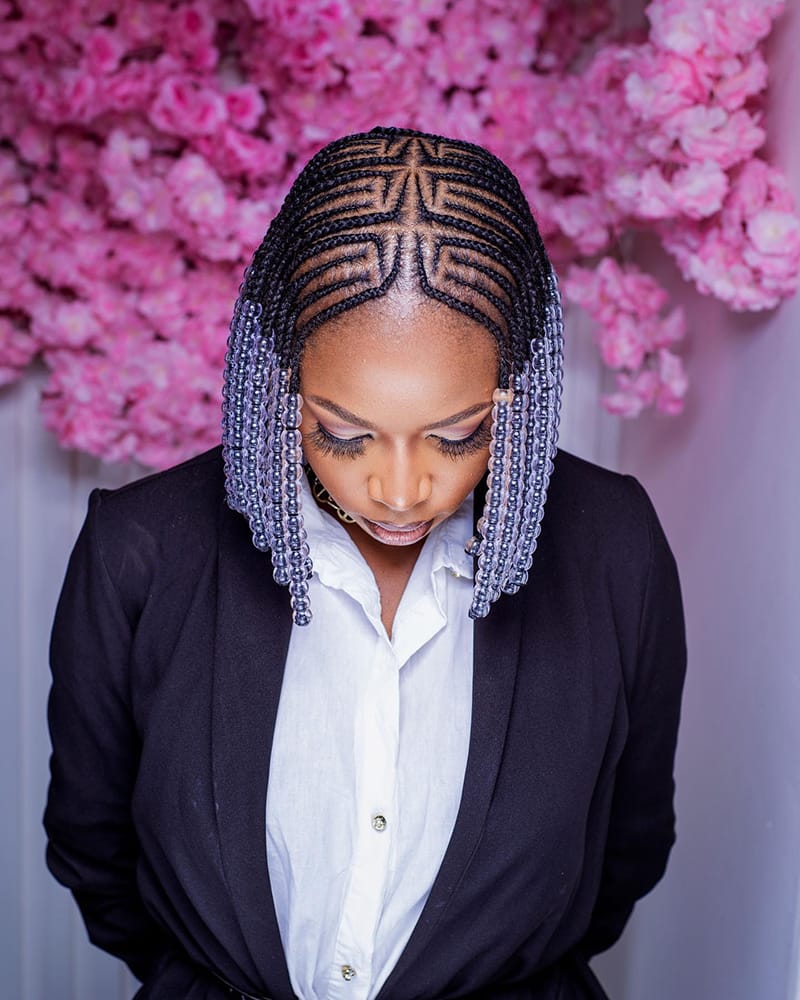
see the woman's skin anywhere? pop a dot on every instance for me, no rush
(397, 399)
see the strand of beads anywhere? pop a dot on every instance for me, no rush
(545, 375)
(539, 428)
(244, 332)
(296, 542)
(518, 452)
(532, 477)
(272, 463)
(505, 525)
(490, 525)
(259, 405)
(554, 336)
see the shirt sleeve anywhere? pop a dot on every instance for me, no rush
(92, 846)
(642, 822)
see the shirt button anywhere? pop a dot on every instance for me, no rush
(379, 823)
(348, 973)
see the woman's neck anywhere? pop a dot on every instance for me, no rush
(391, 566)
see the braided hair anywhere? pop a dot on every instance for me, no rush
(451, 218)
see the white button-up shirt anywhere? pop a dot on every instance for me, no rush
(368, 758)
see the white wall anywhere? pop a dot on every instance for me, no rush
(725, 478)
(44, 954)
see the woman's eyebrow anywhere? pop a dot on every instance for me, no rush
(352, 418)
(341, 412)
(470, 411)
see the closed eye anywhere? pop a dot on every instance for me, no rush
(329, 444)
(476, 441)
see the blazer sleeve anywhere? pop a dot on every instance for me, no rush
(642, 822)
(92, 847)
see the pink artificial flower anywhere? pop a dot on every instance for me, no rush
(634, 393)
(749, 255)
(254, 215)
(190, 32)
(655, 199)
(623, 343)
(122, 149)
(626, 306)
(738, 81)
(82, 403)
(233, 153)
(15, 31)
(678, 26)
(134, 85)
(141, 23)
(662, 83)
(673, 383)
(736, 26)
(712, 263)
(719, 27)
(245, 105)
(66, 324)
(585, 219)
(668, 330)
(17, 349)
(13, 189)
(749, 191)
(184, 107)
(461, 60)
(710, 133)
(34, 143)
(775, 232)
(70, 96)
(410, 26)
(458, 116)
(370, 62)
(103, 49)
(197, 189)
(146, 261)
(566, 31)
(698, 190)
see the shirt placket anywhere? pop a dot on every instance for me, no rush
(376, 739)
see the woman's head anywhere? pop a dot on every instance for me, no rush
(377, 226)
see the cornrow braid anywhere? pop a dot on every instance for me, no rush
(367, 208)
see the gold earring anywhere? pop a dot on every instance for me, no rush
(322, 495)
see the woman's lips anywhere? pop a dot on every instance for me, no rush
(394, 534)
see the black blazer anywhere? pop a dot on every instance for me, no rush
(167, 655)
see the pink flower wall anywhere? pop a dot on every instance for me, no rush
(145, 146)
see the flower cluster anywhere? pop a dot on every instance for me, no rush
(634, 335)
(144, 148)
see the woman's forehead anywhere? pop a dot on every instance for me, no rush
(401, 358)
(403, 321)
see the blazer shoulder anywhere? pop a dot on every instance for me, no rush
(167, 519)
(186, 493)
(583, 487)
(605, 513)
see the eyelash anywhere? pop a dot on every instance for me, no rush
(329, 444)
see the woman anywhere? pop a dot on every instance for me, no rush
(366, 773)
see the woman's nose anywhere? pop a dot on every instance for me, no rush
(400, 486)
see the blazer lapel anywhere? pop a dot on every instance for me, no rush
(495, 660)
(252, 639)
